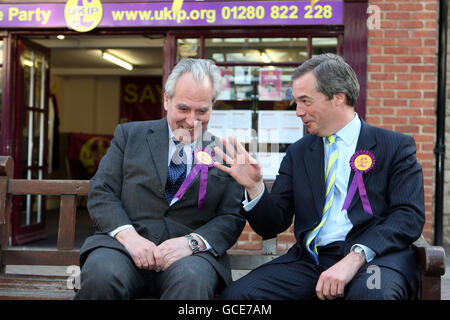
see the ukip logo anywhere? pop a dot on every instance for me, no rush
(83, 15)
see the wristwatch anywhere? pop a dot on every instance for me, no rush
(360, 251)
(193, 243)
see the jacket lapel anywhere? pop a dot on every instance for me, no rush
(158, 143)
(366, 141)
(314, 164)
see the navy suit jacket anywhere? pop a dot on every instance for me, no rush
(394, 188)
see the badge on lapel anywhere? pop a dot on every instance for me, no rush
(204, 159)
(362, 162)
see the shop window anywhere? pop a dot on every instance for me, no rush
(256, 104)
(323, 45)
(188, 48)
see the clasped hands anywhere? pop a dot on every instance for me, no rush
(147, 255)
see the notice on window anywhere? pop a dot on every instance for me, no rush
(235, 123)
(270, 84)
(225, 92)
(270, 163)
(279, 127)
(242, 75)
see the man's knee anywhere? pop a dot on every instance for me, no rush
(384, 284)
(103, 277)
(191, 275)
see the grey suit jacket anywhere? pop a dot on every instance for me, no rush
(129, 185)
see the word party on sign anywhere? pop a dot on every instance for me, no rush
(16, 14)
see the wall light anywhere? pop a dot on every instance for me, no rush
(120, 62)
(265, 57)
(61, 36)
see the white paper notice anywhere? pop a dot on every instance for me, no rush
(236, 123)
(279, 127)
(270, 163)
(242, 75)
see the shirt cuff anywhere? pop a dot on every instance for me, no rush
(370, 254)
(208, 246)
(117, 230)
(250, 205)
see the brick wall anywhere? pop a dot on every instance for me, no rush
(401, 89)
(402, 80)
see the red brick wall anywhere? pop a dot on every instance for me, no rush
(402, 79)
(401, 89)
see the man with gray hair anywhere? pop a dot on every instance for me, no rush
(355, 192)
(162, 229)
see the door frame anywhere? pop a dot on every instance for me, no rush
(20, 233)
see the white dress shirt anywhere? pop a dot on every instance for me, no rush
(338, 224)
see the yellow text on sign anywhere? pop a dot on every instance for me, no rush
(38, 15)
(151, 93)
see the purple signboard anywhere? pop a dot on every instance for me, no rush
(82, 15)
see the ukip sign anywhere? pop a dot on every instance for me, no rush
(85, 15)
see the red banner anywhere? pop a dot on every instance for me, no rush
(85, 153)
(140, 98)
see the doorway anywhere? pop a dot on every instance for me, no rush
(82, 98)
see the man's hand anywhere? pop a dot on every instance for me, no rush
(332, 281)
(243, 167)
(145, 254)
(175, 249)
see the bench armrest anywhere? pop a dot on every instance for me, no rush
(430, 258)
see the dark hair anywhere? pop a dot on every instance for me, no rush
(333, 75)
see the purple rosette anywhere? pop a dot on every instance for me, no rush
(204, 159)
(361, 162)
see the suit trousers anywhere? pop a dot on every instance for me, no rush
(110, 274)
(297, 280)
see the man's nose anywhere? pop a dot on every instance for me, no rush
(191, 119)
(299, 110)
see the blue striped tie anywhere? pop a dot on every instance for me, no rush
(176, 172)
(330, 182)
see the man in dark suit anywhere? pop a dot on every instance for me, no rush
(355, 192)
(151, 240)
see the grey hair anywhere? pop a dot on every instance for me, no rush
(200, 68)
(333, 75)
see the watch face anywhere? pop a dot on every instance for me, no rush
(194, 242)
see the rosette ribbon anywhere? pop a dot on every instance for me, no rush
(204, 159)
(362, 162)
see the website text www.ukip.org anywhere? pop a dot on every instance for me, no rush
(208, 15)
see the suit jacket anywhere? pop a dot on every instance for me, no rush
(129, 185)
(394, 188)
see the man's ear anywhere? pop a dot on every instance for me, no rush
(166, 101)
(339, 99)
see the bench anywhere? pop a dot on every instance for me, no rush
(14, 286)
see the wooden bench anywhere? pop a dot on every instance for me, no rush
(15, 286)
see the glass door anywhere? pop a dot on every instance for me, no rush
(31, 136)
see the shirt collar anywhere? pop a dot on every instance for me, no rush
(350, 132)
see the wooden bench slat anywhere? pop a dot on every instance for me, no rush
(67, 220)
(48, 187)
(40, 257)
(18, 286)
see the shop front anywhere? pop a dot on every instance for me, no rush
(63, 94)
